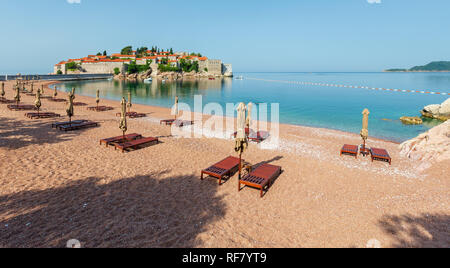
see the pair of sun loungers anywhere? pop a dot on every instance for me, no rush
(74, 125)
(129, 141)
(375, 153)
(261, 177)
(133, 114)
(176, 122)
(41, 115)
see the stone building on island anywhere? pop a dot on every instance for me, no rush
(99, 64)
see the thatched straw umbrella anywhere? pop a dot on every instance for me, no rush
(3, 90)
(365, 128)
(176, 107)
(97, 98)
(129, 104)
(32, 88)
(17, 97)
(123, 117)
(37, 102)
(241, 142)
(69, 109)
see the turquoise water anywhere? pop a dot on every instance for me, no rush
(310, 105)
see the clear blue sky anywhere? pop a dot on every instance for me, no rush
(253, 35)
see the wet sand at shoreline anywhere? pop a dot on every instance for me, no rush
(57, 186)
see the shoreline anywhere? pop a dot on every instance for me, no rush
(207, 116)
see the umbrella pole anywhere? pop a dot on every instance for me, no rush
(239, 179)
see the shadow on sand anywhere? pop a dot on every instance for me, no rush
(425, 231)
(141, 211)
(15, 134)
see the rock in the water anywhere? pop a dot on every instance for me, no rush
(433, 145)
(437, 111)
(411, 120)
(445, 108)
(432, 109)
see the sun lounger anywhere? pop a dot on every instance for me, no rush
(41, 115)
(350, 150)
(70, 127)
(178, 123)
(57, 100)
(262, 177)
(21, 107)
(380, 154)
(79, 104)
(100, 108)
(120, 139)
(55, 125)
(134, 144)
(255, 136)
(133, 114)
(167, 122)
(5, 101)
(222, 168)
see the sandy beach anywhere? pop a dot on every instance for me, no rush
(56, 186)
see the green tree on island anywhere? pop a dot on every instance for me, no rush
(128, 50)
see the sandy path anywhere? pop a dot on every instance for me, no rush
(57, 186)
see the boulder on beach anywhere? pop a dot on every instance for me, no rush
(433, 145)
(437, 111)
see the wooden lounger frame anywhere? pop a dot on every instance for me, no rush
(177, 122)
(222, 169)
(41, 115)
(70, 127)
(349, 149)
(119, 139)
(380, 154)
(134, 144)
(57, 124)
(6, 101)
(260, 177)
(133, 114)
(21, 107)
(57, 100)
(100, 108)
(260, 135)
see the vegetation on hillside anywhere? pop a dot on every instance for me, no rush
(435, 66)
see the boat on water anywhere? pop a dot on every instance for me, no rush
(148, 80)
(240, 77)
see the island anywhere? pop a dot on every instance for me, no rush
(435, 66)
(144, 63)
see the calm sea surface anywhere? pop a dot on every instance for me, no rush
(310, 105)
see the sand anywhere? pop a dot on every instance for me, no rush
(57, 186)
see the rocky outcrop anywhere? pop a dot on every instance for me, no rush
(171, 76)
(437, 111)
(411, 120)
(433, 145)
